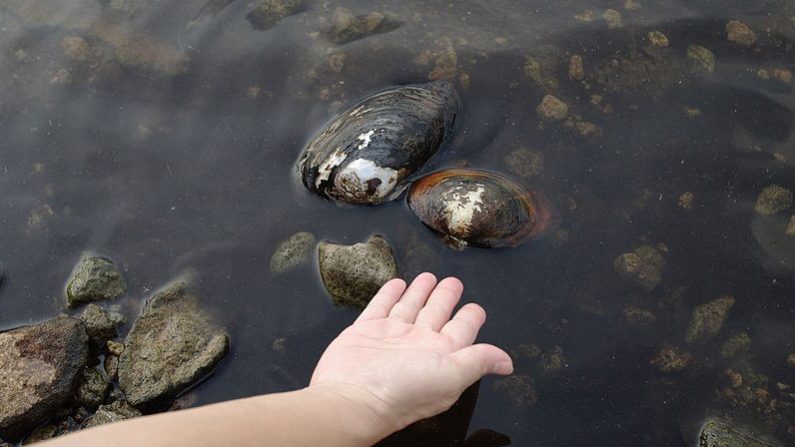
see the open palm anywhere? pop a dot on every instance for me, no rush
(406, 356)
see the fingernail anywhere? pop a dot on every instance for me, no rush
(504, 368)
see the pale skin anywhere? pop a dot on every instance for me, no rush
(405, 358)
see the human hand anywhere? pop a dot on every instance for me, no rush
(404, 358)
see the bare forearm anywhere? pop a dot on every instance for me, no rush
(308, 417)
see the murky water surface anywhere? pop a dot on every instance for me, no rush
(164, 135)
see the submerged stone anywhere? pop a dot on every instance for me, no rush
(519, 389)
(658, 39)
(739, 32)
(552, 108)
(347, 27)
(643, 266)
(773, 199)
(671, 359)
(267, 13)
(94, 278)
(39, 368)
(707, 319)
(352, 274)
(701, 57)
(790, 231)
(116, 411)
(172, 346)
(292, 252)
(720, 433)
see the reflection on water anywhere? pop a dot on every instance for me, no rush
(164, 134)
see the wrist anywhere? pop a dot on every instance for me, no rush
(359, 412)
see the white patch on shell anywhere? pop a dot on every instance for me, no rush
(324, 171)
(355, 177)
(366, 139)
(460, 206)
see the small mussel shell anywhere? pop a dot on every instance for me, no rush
(364, 154)
(479, 208)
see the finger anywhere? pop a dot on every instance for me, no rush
(383, 301)
(463, 328)
(440, 305)
(476, 361)
(414, 298)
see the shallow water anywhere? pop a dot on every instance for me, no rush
(170, 143)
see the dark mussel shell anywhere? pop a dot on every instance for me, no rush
(479, 208)
(365, 154)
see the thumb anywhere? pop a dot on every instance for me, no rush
(476, 361)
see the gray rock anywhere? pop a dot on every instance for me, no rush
(117, 411)
(115, 347)
(39, 368)
(352, 274)
(99, 325)
(173, 345)
(93, 279)
(292, 252)
(111, 365)
(643, 266)
(719, 433)
(92, 389)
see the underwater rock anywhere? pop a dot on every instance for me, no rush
(638, 316)
(347, 27)
(39, 368)
(478, 208)
(576, 69)
(658, 39)
(111, 366)
(739, 32)
(525, 162)
(552, 108)
(519, 389)
(292, 252)
(542, 73)
(92, 388)
(643, 266)
(118, 410)
(735, 345)
(76, 48)
(364, 154)
(701, 57)
(267, 13)
(790, 231)
(171, 346)
(612, 18)
(671, 359)
(94, 278)
(552, 361)
(773, 199)
(707, 319)
(99, 326)
(686, 200)
(719, 433)
(352, 274)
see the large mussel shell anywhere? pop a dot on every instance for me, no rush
(479, 208)
(365, 154)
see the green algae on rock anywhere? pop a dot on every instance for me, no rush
(39, 369)
(702, 58)
(292, 252)
(707, 319)
(172, 346)
(352, 274)
(773, 199)
(94, 278)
